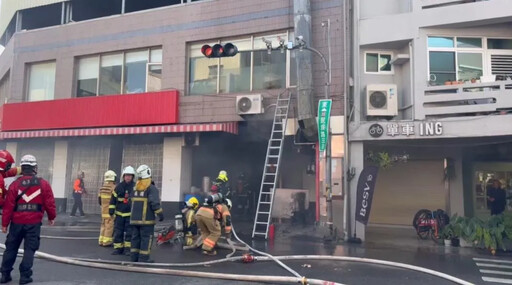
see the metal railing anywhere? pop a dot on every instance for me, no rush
(469, 98)
(428, 4)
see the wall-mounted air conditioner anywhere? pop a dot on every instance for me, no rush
(249, 104)
(381, 100)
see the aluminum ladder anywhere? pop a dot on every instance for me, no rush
(271, 167)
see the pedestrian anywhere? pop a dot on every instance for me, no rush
(145, 208)
(497, 198)
(107, 221)
(120, 207)
(78, 191)
(6, 162)
(27, 200)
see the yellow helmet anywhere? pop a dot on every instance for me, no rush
(110, 176)
(192, 203)
(223, 175)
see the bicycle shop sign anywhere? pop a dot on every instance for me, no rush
(422, 129)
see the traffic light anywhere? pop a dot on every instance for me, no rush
(218, 50)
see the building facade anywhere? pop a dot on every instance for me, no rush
(93, 85)
(432, 85)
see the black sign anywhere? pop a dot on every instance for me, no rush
(376, 130)
(365, 189)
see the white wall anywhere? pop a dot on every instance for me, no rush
(60, 159)
(177, 169)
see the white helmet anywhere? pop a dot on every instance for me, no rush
(143, 172)
(229, 204)
(110, 176)
(29, 160)
(129, 170)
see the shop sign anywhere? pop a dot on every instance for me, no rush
(324, 113)
(422, 129)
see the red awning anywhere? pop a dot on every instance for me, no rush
(230, 127)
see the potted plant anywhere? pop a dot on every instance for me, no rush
(448, 234)
(447, 82)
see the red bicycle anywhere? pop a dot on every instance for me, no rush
(430, 224)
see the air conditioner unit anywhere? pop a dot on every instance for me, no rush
(381, 100)
(249, 104)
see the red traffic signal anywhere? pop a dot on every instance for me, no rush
(218, 50)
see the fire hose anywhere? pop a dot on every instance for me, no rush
(196, 274)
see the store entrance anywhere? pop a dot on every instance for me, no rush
(484, 175)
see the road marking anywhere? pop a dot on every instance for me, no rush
(493, 260)
(494, 265)
(495, 272)
(490, 267)
(497, 280)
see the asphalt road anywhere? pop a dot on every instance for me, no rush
(455, 261)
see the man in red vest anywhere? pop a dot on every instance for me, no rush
(6, 162)
(26, 201)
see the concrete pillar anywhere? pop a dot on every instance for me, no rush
(12, 147)
(60, 161)
(457, 189)
(176, 173)
(356, 161)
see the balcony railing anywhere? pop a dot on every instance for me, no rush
(427, 4)
(467, 99)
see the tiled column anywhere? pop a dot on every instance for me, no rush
(60, 161)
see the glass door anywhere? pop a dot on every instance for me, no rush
(484, 174)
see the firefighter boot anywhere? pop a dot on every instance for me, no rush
(145, 258)
(25, 279)
(120, 251)
(6, 278)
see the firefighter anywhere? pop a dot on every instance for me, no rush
(220, 185)
(120, 206)
(104, 197)
(145, 208)
(6, 162)
(27, 200)
(208, 219)
(78, 191)
(226, 217)
(190, 226)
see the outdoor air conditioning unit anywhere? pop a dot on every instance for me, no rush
(249, 104)
(381, 100)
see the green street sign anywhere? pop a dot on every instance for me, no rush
(324, 113)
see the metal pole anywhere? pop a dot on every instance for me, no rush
(328, 158)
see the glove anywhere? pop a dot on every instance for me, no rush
(189, 241)
(160, 217)
(111, 212)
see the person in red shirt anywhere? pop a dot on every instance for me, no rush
(78, 191)
(26, 201)
(6, 161)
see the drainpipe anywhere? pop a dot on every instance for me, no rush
(305, 102)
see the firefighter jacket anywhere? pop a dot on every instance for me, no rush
(104, 197)
(27, 200)
(10, 173)
(145, 206)
(190, 227)
(78, 186)
(218, 212)
(120, 201)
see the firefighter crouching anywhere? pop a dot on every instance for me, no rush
(27, 200)
(120, 207)
(107, 221)
(208, 219)
(145, 208)
(190, 226)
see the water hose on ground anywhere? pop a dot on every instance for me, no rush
(194, 274)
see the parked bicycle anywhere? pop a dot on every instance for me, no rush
(430, 224)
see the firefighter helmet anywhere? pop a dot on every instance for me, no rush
(128, 171)
(193, 203)
(143, 172)
(110, 176)
(28, 160)
(6, 160)
(223, 176)
(228, 203)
